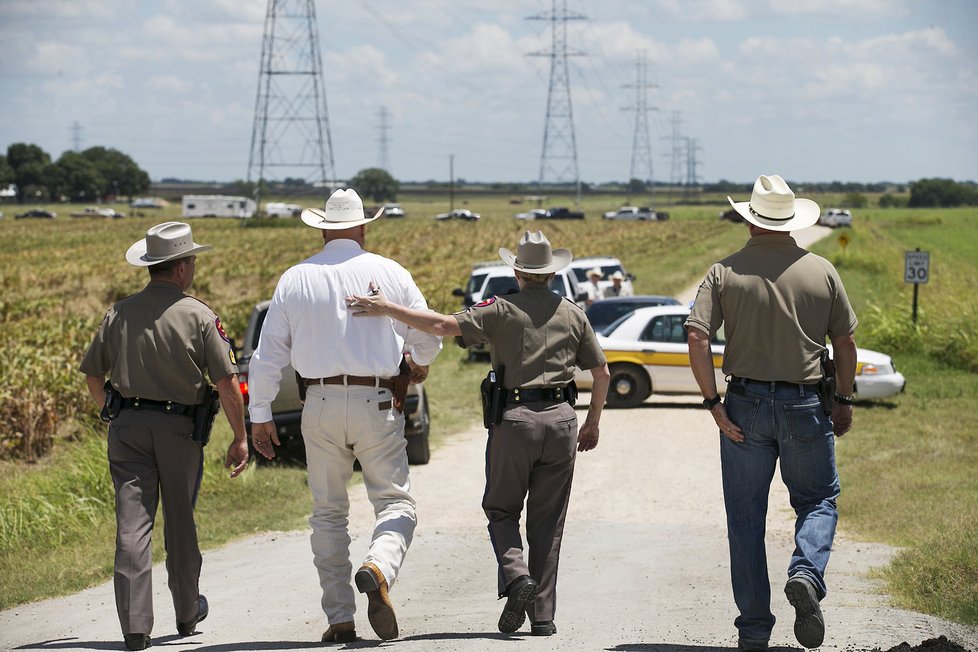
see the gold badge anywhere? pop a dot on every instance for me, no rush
(234, 360)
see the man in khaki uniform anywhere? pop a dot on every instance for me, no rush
(156, 347)
(778, 303)
(536, 339)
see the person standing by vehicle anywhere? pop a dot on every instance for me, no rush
(536, 339)
(778, 304)
(616, 289)
(593, 286)
(353, 405)
(157, 347)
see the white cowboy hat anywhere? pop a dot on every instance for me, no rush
(594, 271)
(617, 276)
(535, 256)
(773, 206)
(343, 210)
(164, 242)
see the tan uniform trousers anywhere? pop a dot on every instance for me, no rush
(151, 454)
(530, 456)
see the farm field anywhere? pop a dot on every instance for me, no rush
(905, 468)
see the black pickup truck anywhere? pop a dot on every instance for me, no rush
(561, 213)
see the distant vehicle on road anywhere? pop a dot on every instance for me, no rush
(95, 211)
(393, 210)
(835, 217)
(532, 214)
(561, 213)
(639, 213)
(458, 214)
(148, 202)
(36, 213)
(280, 209)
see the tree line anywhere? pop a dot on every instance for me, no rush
(95, 174)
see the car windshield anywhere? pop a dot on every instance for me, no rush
(601, 313)
(475, 282)
(606, 272)
(504, 284)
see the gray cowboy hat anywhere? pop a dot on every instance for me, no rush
(164, 242)
(773, 206)
(535, 256)
(343, 210)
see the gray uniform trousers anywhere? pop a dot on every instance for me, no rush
(532, 451)
(151, 453)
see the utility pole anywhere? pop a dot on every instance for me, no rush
(383, 154)
(291, 125)
(691, 176)
(558, 161)
(76, 136)
(641, 146)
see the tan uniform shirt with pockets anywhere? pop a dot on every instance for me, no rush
(777, 303)
(159, 344)
(538, 336)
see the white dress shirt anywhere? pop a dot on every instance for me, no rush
(309, 324)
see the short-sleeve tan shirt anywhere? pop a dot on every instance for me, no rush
(537, 336)
(159, 344)
(777, 303)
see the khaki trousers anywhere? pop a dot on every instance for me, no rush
(151, 456)
(530, 456)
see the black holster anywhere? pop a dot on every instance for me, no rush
(493, 397)
(826, 385)
(112, 405)
(204, 416)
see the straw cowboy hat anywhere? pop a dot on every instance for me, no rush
(595, 271)
(164, 242)
(343, 210)
(534, 255)
(773, 206)
(617, 276)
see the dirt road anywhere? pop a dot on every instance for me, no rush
(644, 565)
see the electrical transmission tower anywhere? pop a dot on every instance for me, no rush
(76, 136)
(291, 126)
(676, 159)
(558, 162)
(641, 146)
(383, 150)
(691, 178)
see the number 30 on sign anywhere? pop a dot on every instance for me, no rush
(917, 267)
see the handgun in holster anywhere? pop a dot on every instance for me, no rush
(493, 397)
(204, 415)
(826, 384)
(113, 403)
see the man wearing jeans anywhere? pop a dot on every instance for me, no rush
(350, 410)
(778, 303)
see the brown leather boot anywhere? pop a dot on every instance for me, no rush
(340, 633)
(380, 611)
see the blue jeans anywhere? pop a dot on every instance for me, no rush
(783, 423)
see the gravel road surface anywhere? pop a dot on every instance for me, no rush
(644, 565)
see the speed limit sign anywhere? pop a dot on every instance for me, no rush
(917, 267)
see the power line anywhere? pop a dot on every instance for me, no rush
(641, 146)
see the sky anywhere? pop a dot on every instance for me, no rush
(825, 90)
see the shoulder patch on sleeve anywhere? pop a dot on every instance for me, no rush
(485, 302)
(220, 330)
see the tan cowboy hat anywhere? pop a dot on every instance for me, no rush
(773, 206)
(164, 242)
(343, 210)
(617, 276)
(595, 271)
(534, 255)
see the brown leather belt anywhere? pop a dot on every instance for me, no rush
(368, 381)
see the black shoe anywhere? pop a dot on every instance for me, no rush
(745, 645)
(809, 623)
(137, 641)
(186, 629)
(543, 628)
(520, 593)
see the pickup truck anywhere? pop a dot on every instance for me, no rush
(287, 408)
(561, 213)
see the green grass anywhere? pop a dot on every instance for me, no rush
(907, 467)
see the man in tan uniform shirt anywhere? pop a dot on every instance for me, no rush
(538, 339)
(778, 303)
(156, 347)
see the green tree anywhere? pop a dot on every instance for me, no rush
(6, 172)
(637, 186)
(941, 192)
(375, 183)
(119, 173)
(76, 177)
(855, 200)
(29, 163)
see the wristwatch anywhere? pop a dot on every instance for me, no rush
(710, 403)
(843, 399)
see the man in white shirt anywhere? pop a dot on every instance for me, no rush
(350, 411)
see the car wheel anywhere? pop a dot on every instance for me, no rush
(629, 386)
(418, 451)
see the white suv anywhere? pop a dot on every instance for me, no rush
(834, 217)
(608, 266)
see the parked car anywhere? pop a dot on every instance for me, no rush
(608, 266)
(835, 217)
(647, 353)
(605, 312)
(639, 213)
(287, 408)
(561, 213)
(458, 214)
(36, 212)
(393, 210)
(490, 279)
(281, 209)
(95, 211)
(532, 214)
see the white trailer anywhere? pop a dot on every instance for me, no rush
(218, 206)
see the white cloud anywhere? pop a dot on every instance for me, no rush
(704, 10)
(168, 84)
(847, 8)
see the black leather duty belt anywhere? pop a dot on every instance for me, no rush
(528, 395)
(735, 385)
(169, 407)
(367, 381)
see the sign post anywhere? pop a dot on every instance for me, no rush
(916, 270)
